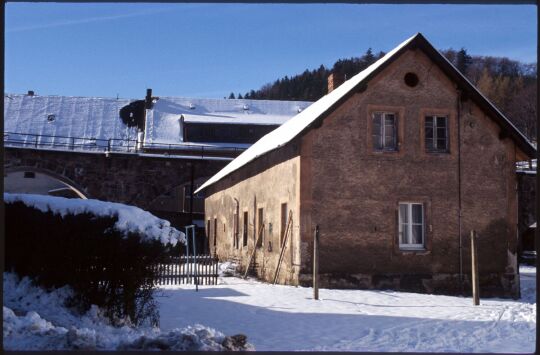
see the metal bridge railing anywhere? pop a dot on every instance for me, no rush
(43, 141)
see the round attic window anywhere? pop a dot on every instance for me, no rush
(411, 79)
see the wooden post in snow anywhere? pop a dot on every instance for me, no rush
(316, 263)
(474, 269)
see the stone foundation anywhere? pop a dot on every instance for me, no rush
(491, 285)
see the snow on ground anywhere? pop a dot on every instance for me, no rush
(276, 317)
(279, 318)
(130, 218)
(36, 320)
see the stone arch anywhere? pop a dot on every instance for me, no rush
(70, 184)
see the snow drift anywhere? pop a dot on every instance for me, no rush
(38, 320)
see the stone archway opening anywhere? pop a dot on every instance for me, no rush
(40, 182)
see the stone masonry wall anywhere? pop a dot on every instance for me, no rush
(124, 178)
(266, 183)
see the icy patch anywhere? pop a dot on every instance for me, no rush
(130, 218)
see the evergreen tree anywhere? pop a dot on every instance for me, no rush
(231, 95)
(369, 58)
(463, 60)
(509, 84)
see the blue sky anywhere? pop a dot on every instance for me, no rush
(209, 50)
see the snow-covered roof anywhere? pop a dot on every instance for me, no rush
(55, 118)
(163, 120)
(65, 116)
(292, 128)
(289, 130)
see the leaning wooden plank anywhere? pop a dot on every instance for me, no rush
(254, 250)
(283, 246)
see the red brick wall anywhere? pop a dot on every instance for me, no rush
(335, 179)
(353, 193)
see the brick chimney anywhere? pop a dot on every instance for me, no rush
(334, 80)
(148, 99)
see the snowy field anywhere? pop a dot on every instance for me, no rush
(287, 318)
(278, 318)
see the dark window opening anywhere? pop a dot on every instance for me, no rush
(207, 234)
(225, 133)
(260, 228)
(283, 223)
(411, 79)
(236, 242)
(245, 230)
(215, 232)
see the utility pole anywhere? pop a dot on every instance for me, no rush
(316, 263)
(474, 269)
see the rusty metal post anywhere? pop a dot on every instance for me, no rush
(474, 270)
(316, 263)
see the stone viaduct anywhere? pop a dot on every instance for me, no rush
(134, 179)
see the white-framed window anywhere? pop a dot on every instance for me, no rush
(436, 134)
(384, 131)
(411, 225)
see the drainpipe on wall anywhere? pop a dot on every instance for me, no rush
(458, 105)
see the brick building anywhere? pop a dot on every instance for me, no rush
(396, 165)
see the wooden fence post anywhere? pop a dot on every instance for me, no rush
(316, 263)
(474, 270)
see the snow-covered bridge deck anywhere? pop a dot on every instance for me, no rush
(116, 145)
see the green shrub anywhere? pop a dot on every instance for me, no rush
(104, 267)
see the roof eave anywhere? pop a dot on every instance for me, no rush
(419, 41)
(469, 89)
